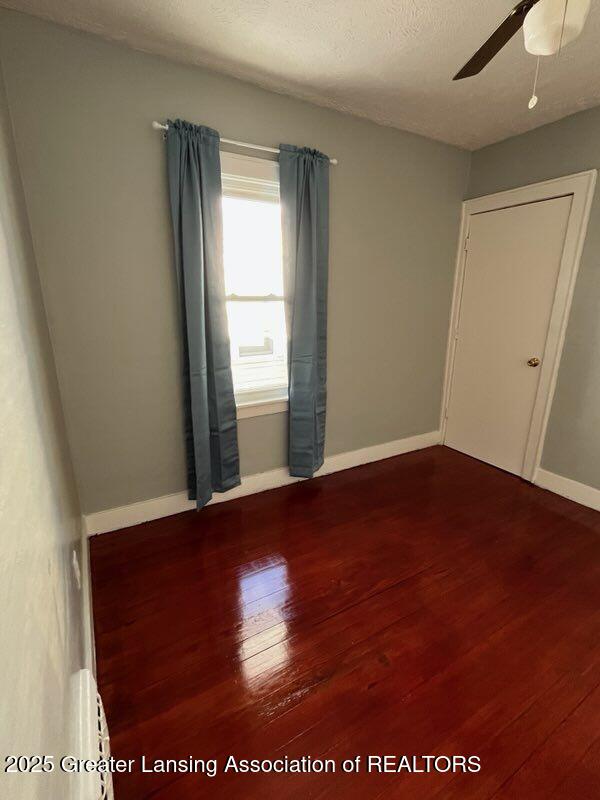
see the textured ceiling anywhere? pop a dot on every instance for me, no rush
(389, 60)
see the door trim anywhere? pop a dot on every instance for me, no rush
(581, 186)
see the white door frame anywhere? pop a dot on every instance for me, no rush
(581, 186)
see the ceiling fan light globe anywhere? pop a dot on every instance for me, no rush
(543, 25)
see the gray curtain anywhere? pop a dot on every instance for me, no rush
(194, 168)
(304, 187)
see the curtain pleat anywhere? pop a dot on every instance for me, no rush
(194, 169)
(304, 190)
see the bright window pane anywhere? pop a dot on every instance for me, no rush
(258, 345)
(253, 268)
(252, 252)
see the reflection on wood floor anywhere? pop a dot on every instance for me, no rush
(426, 604)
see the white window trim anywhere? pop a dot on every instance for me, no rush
(248, 405)
(260, 178)
(261, 408)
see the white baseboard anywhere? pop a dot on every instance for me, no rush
(573, 490)
(84, 705)
(124, 516)
(87, 613)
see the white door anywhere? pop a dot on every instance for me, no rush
(509, 284)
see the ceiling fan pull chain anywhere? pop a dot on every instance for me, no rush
(534, 98)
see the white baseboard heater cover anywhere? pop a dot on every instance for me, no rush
(91, 739)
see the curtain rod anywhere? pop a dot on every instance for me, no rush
(159, 126)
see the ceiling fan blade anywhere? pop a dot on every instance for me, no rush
(497, 40)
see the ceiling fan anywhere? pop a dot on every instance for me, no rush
(548, 25)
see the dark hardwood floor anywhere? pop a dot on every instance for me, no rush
(424, 605)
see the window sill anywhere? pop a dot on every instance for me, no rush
(260, 408)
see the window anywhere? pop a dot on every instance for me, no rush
(254, 280)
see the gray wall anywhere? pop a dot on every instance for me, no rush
(40, 622)
(572, 445)
(94, 177)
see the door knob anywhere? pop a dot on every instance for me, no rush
(533, 362)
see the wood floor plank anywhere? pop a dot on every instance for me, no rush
(558, 755)
(582, 779)
(423, 604)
